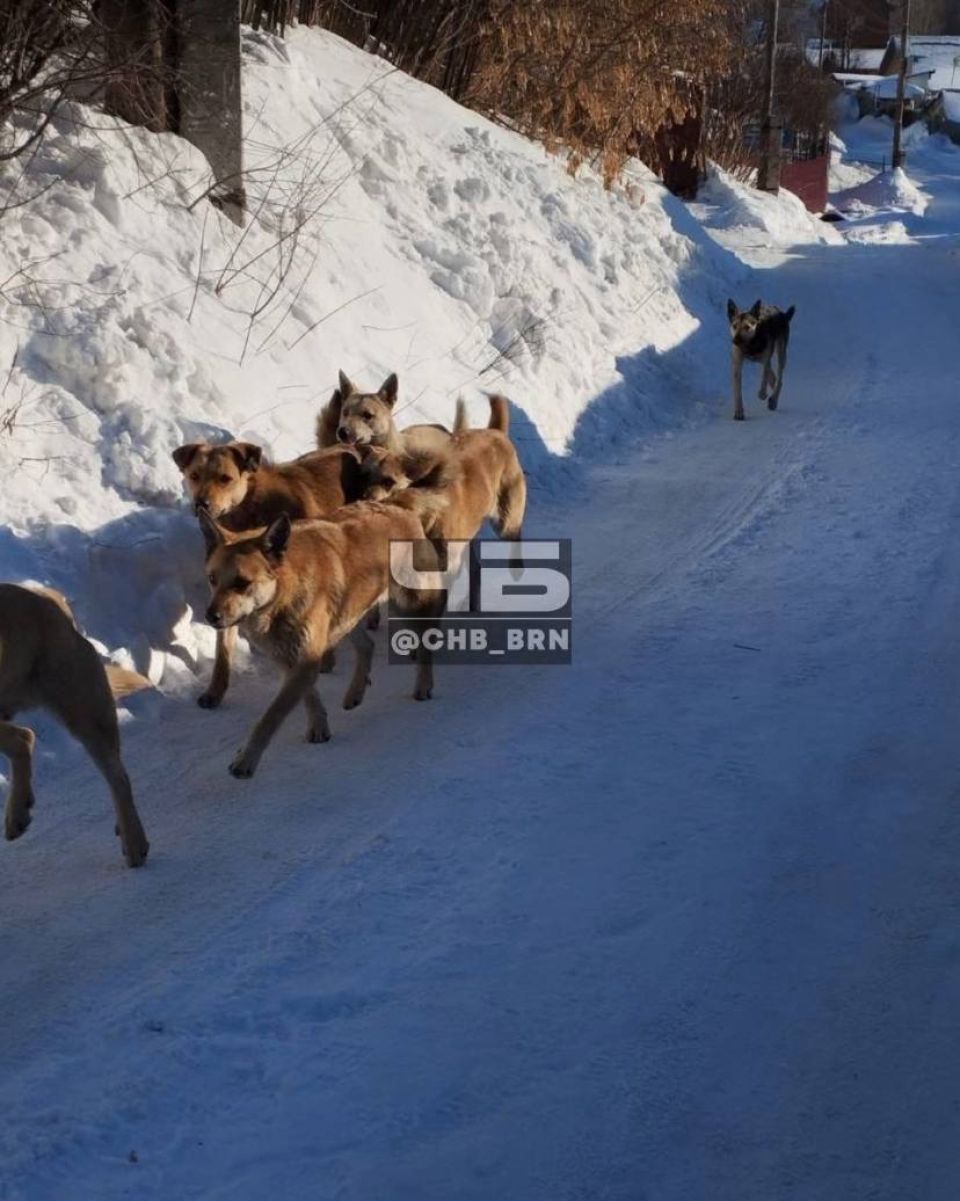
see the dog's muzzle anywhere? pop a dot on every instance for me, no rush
(215, 618)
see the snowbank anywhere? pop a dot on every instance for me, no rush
(733, 209)
(888, 191)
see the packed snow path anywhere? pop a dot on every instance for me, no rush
(679, 922)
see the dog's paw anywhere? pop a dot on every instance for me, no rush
(18, 819)
(739, 416)
(243, 765)
(355, 695)
(423, 694)
(772, 405)
(209, 700)
(318, 733)
(135, 849)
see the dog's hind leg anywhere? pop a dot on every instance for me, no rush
(781, 367)
(363, 647)
(90, 714)
(17, 742)
(226, 644)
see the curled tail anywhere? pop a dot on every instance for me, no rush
(499, 414)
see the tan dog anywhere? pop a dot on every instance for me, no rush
(478, 475)
(235, 486)
(360, 419)
(45, 662)
(295, 589)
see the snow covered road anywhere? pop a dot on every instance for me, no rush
(679, 922)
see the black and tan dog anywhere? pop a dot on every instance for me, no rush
(757, 333)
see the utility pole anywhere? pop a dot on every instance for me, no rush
(823, 30)
(898, 155)
(768, 177)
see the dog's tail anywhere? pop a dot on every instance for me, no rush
(499, 414)
(328, 419)
(124, 682)
(461, 421)
(511, 507)
(789, 313)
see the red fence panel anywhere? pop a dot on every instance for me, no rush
(807, 178)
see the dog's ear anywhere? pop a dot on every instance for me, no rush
(212, 533)
(248, 455)
(346, 387)
(789, 313)
(276, 538)
(755, 311)
(183, 456)
(388, 390)
(732, 310)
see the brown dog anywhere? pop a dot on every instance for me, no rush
(295, 589)
(235, 486)
(478, 475)
(355, 418)
(45, 662)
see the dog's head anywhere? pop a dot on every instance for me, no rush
(366, 418)
(218, 477)
(743, 323)
(386, 472)
(242, 570)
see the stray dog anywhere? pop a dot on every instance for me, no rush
(45, 662)
(235, 486)
(295, 589)
(355, 418)
(477, 473)
(757, 333)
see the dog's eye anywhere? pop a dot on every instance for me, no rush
(194, 475)
(224, 479)
(387, 482)
(240, 585)
(367, 414)
(213, 580)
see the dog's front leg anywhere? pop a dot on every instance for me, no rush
(16, 742)
(737, 385)
(781, 367)
(226, 644)
(363, 649)
(766, 376)
(298, 684)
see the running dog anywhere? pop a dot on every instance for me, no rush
(756, 334)
(295, 589)
(355, 418)
(235, 486)
(45, 662)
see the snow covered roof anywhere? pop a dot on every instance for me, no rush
(951, 106)
(937, 56)
(885, 88)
